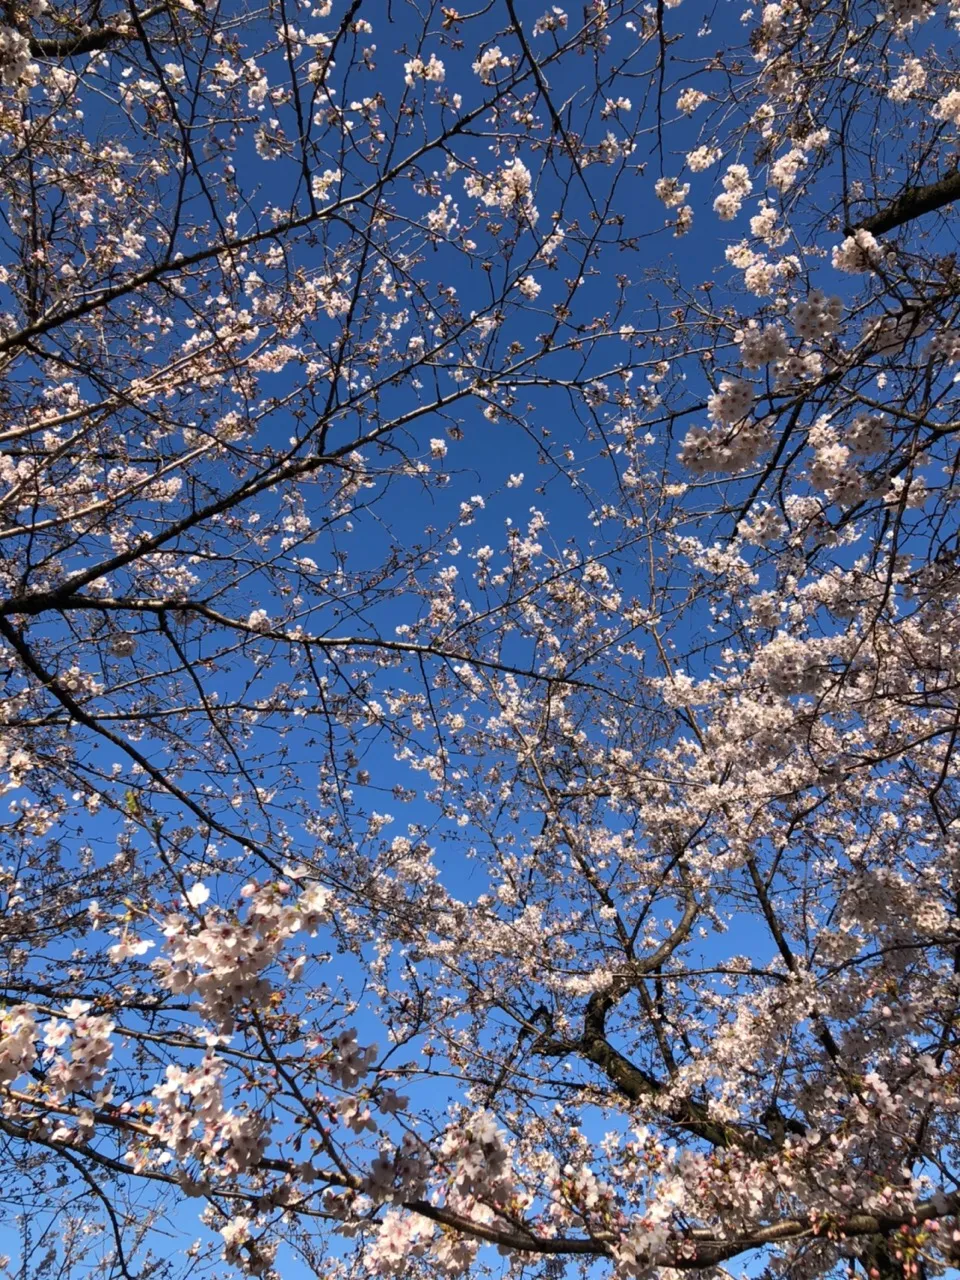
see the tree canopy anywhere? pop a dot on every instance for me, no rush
(480, 639)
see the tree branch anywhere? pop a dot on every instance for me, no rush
(910, 204)
(75, 46)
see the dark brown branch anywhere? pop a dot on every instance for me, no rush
(74, 46)
(640, 1086)
(912, 203)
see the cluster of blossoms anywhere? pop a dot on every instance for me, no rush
(479, 1176)
(785, 171)
(690, 99)
(17, 70)
(724, 450)
(443, 219)
(816, 316)
(671, 191)
(790, 666)
(401, 1238)
(222, 960)
(191, 1100)
(683, 221)
(945, 346)
(400, 1174)
(702, 158)
(912, 79)
(636, 1252)
(18, 1042)
(736, 187)
(797, 368)
(551, 245)
(555, 20)
(760, 276)
(15, 763)
(416, 69)
(244, 1139)
(251, 1255)
(321, 184)
(910, 494)
(868, 433)
(613, 105)
(235, 1234)
(902, 14)
(763, 526)
(478, 1159)
(731, 402)
(764, 225)
(488, 63)
(177, 1122)
(760, 347)
(832, 469)
(510, 189)
(347, 1061)
(577, 1195)
(259, 620)
(91, 1048)
(946, 108)
(859, 252)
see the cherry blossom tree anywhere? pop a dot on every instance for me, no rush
(480, 638)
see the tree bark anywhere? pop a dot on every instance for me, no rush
(912, 203)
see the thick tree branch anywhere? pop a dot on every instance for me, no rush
(910, 204)
(641, 1086)
(76, 45)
